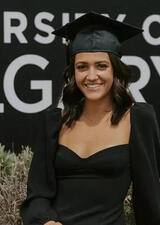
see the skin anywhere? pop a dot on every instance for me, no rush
(94, 67)
(53, 223)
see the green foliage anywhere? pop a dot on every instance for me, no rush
(13, 179)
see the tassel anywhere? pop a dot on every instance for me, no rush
(67, 43)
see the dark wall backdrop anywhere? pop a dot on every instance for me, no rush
(32, 59)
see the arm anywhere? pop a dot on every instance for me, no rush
(145, 153)
(41, 187)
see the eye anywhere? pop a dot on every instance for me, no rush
(102, 66)
(81, 67)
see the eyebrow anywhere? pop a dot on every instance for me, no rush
(102, 61)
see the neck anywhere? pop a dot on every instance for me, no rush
(96, 110)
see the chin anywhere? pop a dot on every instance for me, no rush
(94, 98)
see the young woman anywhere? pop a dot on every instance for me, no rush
(86, 157)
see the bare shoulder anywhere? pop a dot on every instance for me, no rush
(126, 115)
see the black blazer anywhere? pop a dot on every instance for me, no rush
(144, 158)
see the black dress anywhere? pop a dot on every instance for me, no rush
(63, 187)
(92, 190)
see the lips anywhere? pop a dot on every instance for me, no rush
(93, 86)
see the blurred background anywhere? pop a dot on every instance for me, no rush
(32, 60)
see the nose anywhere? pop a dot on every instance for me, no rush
(92, 74)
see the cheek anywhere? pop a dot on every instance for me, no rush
(78, 77)
(108, 76)
(78, 80)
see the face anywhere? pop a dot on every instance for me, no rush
(94, 74)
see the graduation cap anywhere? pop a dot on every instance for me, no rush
(94, 32)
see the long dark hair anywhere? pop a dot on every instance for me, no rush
(73, 99)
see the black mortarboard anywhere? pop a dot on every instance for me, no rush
(93, 32)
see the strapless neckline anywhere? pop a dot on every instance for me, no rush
(96, 153)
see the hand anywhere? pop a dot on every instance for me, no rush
(53, 223)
